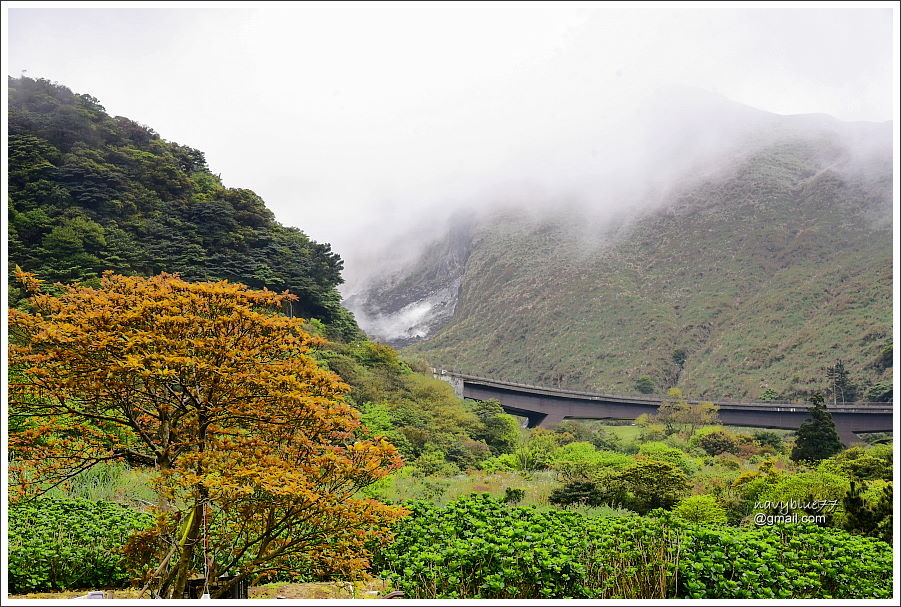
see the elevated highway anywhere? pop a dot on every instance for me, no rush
(543, 406)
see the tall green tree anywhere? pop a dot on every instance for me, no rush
(817, 438)
(843, 390)
(501, 431)
(867, 518)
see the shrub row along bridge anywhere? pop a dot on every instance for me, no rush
(549, 406)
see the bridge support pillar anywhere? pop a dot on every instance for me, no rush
(455, 382)
(548, 421)
(847, 436)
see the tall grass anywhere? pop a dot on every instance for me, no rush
(537, 487)
(110, 482)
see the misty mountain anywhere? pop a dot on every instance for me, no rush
(745, 253)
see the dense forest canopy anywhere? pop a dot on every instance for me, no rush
(89, 192)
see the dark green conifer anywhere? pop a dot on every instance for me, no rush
(869, 519)
(817, 438)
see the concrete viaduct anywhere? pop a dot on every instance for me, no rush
(544, 406)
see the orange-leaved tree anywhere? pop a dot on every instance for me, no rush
(259, 459)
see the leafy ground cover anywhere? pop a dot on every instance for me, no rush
(60, 543)
(478, 547)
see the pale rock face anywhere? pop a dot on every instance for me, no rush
(414, 321)
(419, 297)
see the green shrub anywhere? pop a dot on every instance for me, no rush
(505, 462)
(580, 462)
(576, 492)
(644, 384)
(768, 395)
(477, 547)
(661, 452)
(433, 463)
(653, 484)
(513, 495)
(700, 509)
(58, 544)
(783, 561)
(767, 438)
(575, 452)
(716, 443)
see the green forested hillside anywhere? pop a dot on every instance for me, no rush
(89, 192)
(747, 285)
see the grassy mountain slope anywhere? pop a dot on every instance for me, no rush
(758, 277)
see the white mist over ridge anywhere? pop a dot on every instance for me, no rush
(623, 162)
(675, 140)
(414, 321)
(609, 164)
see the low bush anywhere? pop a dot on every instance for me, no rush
(64, 543)
(715, 443)
(477, 547)
(514, 495)
(704, 509)
(577, 492)
(786, 561)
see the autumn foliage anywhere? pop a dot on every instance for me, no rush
(259, 458)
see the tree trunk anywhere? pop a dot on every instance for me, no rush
(186, 550)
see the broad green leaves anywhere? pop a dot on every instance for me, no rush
(69, 543)
(477, 547)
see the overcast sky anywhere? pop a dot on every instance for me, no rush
(348, 117)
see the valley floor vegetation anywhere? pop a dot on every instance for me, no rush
(309, 460)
